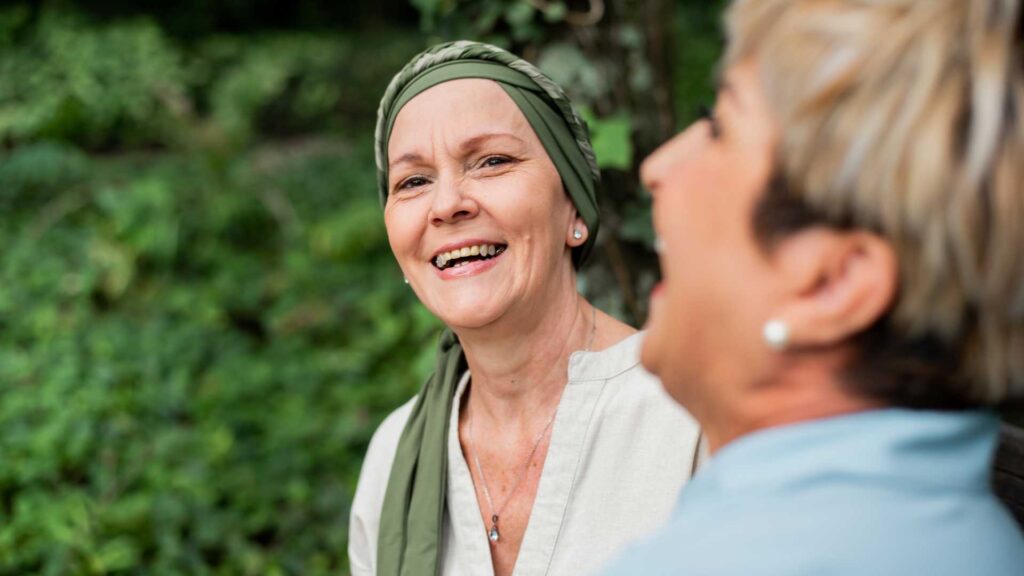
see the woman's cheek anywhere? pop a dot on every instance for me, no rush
(402, 229)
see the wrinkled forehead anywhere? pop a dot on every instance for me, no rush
(456, 110)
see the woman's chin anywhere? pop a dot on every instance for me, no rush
(468, 315)
(654, 342)
(649, 353)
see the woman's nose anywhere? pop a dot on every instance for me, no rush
(451, 204)
(657, 166)
(660, 165)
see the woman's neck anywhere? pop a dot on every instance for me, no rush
(807, 391)
(519, 364)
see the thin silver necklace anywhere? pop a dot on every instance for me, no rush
(493, 534)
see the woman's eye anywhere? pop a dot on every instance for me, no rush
(413, 182)
(492, 161)
(707, 115)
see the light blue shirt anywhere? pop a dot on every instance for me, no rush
(893, 492)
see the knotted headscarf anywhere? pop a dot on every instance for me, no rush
(409, 542)
(543, 103)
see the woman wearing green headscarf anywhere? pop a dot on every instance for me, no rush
(538, 445)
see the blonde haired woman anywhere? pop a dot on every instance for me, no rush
(844, 291)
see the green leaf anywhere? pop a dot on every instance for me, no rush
(555, 12)
(519, 14)
(116, 555)
(611, 138)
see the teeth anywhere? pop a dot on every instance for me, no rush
(442, 259)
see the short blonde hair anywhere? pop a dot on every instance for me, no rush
(906, 117)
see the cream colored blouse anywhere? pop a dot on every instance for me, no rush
(620, 451)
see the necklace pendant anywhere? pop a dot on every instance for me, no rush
(493, 534)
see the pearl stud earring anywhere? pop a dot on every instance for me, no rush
(776, 334)
(577, 234)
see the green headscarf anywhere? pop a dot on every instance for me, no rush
(409, 541)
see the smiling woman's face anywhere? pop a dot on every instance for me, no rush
(718, 286)
(476, 214)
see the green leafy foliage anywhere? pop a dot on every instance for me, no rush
(610, 138)
(697, 57)
(124, 84)
(500, 22)
(89, 85)
(568, 66)
(287, 84)
(190, 371)
(33, 175)
(201, 324)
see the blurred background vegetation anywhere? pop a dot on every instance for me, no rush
(200, 321)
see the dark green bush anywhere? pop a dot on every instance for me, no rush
(125, 84)
(287, 84)
(96, 85)
(33, 175)
(192, 360)
(200, 326)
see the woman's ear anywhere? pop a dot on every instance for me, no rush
(578, 233)
(836, 284)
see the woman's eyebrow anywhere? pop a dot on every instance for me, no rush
(468, 145)
(407, 158)
(475, 142)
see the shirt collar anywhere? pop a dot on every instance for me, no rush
(927, 448)
(585, 366)
(607, 363)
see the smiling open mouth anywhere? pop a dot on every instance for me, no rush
(467, 254)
